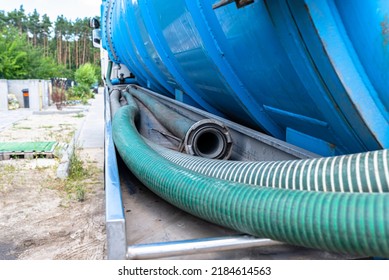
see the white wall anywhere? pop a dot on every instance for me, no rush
(46, 91)
(3, 95)
(39, 92)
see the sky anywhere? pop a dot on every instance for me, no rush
(71, 9)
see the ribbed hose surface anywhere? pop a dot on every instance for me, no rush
(350, 223)
(364, 172)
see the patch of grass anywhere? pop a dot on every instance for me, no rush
(65, 125)
(8, 168)
(46, 126)
(42, 168)
(79, 174)
(79, 115)
(82, 177)
(7, 175)
(23, 127)
(65, 136)
(76, 168)
(75, 190)
(59, 150)
(85, 101)
(80, 193)
(37, 156)
(69, 136)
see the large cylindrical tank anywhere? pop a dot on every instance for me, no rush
(312, 72)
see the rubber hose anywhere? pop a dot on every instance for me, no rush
(363, 172)
(207, 138)
(350, 223)
(114, 102)
(174, 122)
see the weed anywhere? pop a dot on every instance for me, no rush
(46, 126)
(82, 175)
(79, 115)
(9, 168)
(37, 156)
(69, 136)
(42, 168)
(66, 125)
(85, 101)
(75, 189)
(7, 175)
(76, 168)
(59, 150)
(80, 193)
(65, 136)
(79, 173)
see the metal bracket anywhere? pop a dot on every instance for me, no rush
(239, 3)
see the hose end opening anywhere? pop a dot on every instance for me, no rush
(209, 139)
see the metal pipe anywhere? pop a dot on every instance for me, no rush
(108, 75)
(206, 138)
(195, 246)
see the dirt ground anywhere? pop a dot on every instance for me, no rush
(42, 217)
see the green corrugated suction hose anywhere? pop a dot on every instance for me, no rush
(351, 223)
(364, 172)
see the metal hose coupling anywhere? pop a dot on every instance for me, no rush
(208, 138)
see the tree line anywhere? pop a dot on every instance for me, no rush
(33, 47)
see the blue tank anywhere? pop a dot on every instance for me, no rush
(314, 73)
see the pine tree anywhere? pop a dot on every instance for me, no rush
(42, 47)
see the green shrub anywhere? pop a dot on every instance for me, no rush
(85, 75)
